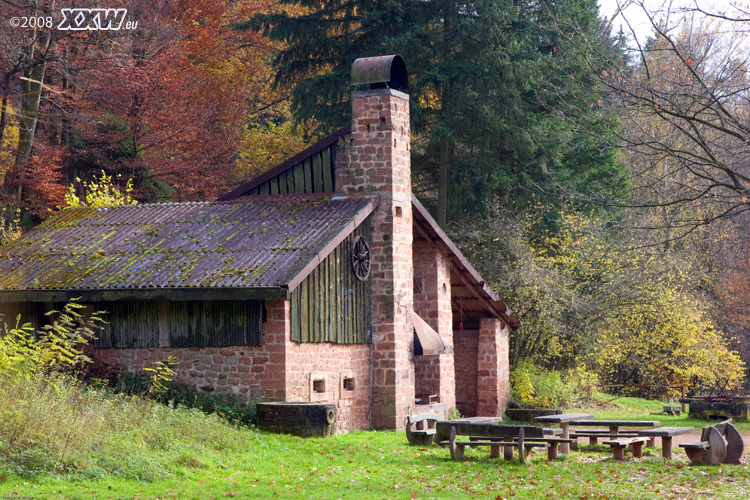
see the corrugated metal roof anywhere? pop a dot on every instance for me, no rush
(254, 242)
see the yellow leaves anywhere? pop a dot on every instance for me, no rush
(265, 146)
(101, 193)
(8, 144)
(642, 319)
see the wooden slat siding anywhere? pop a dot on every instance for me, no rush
(308, 176)
(336, 290)
(328, 166)
(328, 144)
(317, 169)
(315, 174)
(289, 182)
(323, 294)
(284, 184)
(332, 304)
(215, 323)
(299, 178)
(130, 324)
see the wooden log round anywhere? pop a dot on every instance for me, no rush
(696, 455)
(735, 445)
(419, 437)
(717, 448)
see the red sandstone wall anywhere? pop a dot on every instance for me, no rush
(465, 349)
(493, 386)
(333, 363)
(239, 370)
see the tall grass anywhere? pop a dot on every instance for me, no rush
(54, 425)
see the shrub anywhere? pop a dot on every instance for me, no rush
(535, 387)
(227, 406)
(56, 347)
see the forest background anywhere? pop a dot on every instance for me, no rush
(598, 182)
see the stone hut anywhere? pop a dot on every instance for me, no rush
(323, 279)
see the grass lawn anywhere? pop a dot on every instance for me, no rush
(381, 465)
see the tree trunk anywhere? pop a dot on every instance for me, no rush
(442, 210)
(444, 160)
(31, 89)
(3, 116)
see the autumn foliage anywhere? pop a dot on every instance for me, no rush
(167, 104)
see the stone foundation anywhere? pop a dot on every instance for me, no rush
(736, 410)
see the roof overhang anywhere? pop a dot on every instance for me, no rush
(466, 276)
(331, 246)
(111, 295)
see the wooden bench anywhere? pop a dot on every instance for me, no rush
(712, 448)
(494, 436)
(421, 428)
(553, 442)
(619, 444)
(666, 434)
(595, 435)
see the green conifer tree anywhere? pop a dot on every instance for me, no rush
(502, 106)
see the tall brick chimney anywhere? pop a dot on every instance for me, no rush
(376, 160)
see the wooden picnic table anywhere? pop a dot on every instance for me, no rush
(614, 428)
(614, 425)
(666, 434)
(443, 427)
(563, 420)
(494, 435)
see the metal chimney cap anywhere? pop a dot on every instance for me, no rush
(381, 72)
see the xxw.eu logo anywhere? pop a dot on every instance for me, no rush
(95, 19)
